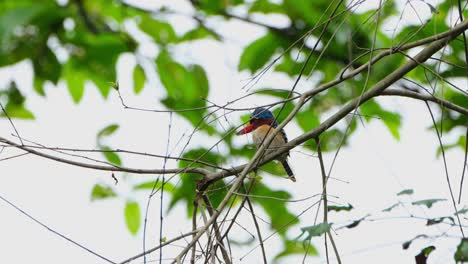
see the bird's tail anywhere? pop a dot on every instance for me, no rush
(288, 170)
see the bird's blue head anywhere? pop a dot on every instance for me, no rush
(262, 113)
(260, 116)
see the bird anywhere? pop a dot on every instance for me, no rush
(261, 123)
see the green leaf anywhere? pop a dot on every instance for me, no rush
(462, 211)
(388, 209)
(199, 33)
(149, 185)
(392, 120)
(24, 29)
(424, 254)
(107, 131)
(249, 241)
(336, 208)
(462, 251)
(15, 103)
(139, 79)
(47, 67)
(111, 11)
(94, 58)
(408, 243)
(274, 168)
(307, 120)
(385, 67)
(292, 247)
(290, 65)
(186, 89)
(18, 111)
(329, 140)
(266, 7)
(428, 202)
(354, 223)
(280, 93)
(132, 216)
(100, 192)
(439, 220)
(216, 193)
(38, 85)
(281, 217)
(11, 19)
(406, 192)
(103, 85)
(258, 53)
(316, 230)
(308, 11)
(461, 143)
(213, 6)
(111, 156)
(281, 112)
(75, 81)
(186, 190)
(161, 32)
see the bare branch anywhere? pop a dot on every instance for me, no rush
(11, 122)
(464, 166)
(425, 97)
(325, 200)
(259, 233)
(219, 240)
(194, 229)
(105, 168)
(446, 170)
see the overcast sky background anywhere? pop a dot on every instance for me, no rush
(370, 170)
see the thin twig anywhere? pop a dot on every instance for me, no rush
(249, 188)
(161, 213)
(11, 122)
(194, 228)
(14, 156)
(446, 169)
(55, 232)
(425, 97)
(209, 207)
(106, 168)
(259, 233)
(465, 46)
(325, 204)
(464, 166)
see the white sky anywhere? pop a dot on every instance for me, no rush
(375, 165)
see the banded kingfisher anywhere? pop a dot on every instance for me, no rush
(261, 123)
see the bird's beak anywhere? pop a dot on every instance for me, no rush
(245, 130)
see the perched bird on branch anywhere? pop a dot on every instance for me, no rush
(262, 123)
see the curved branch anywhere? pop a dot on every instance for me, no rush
(425, 97)
(105, 168)
(64, 149)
